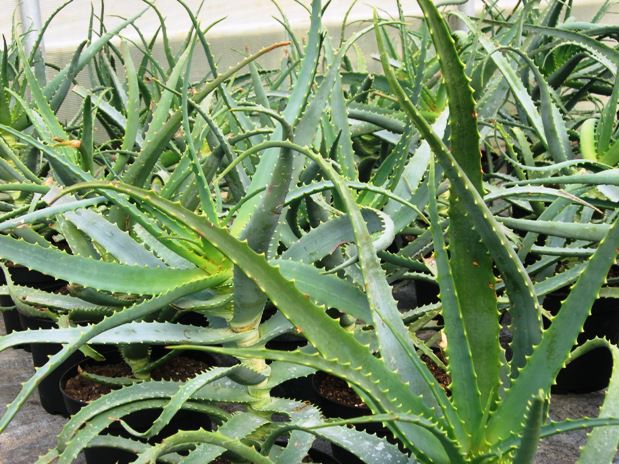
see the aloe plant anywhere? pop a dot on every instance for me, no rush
(298, 198)
(74, 157)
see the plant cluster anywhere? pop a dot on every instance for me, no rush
(257, 206)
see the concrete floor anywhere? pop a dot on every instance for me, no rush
(33, 431)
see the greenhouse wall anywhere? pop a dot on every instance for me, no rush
(247, 23)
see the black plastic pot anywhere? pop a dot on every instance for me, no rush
(331, 408)
(49, 393)
(324, 454)
(25, 277)
(29, 278)
(410, 294)
(426, 292)
(139, 420)
(591, 371)
(296, 389)
(192, 318)
(11, 321)
(299, 389)
(334, 410)
(405, 294)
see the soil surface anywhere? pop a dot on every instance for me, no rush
(178, 368)
(221, 460)
(439, 374)
(338, 391)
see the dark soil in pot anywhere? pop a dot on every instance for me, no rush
(591, 371)
(405, 294)
(297, 389)
(341, 400)
(287, 342)
(179, 368)
(439, 374)
(30, 278)
(192, 318)
(222, 460)
(78, 391)
(337, 399)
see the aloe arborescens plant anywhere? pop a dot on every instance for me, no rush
(497, 408)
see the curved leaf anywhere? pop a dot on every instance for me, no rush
(98, 274)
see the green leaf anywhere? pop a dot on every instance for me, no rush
(132, 109)
(294, 108)
(386, 316)
(589, 232)
(511, 77)
(469, 258)
(179, 398)
(113, 116)
(140, 169)
(346, 155)
(248, 299)
(86, 144)
(328, 236)
(48, 212)
(524, 309)
(99, 274)
(160, 116)
(114, 241)
(530, 438)
(88, 433)
(535, 192)
(86, 56)
(464, 384)
(136, 312)
(206, 201)
(608, 117)
(152, 333)
(371, 449)
(390, 170)
(548, 358)
(611, 156)
(299, 442)
(317, 326)
(233, 445)
(238, 426)
(606, 177)
(557, 138)
(606, 55)
(326, 289)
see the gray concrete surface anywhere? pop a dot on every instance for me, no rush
(33, 431)
(563, 448)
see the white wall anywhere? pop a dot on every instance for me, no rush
(248, 24)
